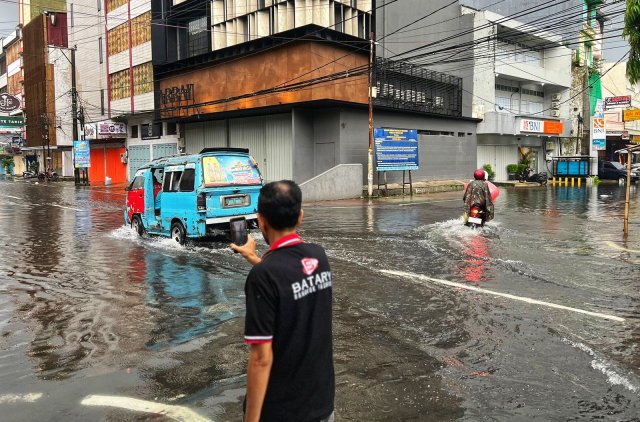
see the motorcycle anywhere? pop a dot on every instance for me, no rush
(29, 174)
(527, 176)
(477, 217)
(52, 175)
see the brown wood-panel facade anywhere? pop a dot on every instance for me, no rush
(39, 98)
(278, 66)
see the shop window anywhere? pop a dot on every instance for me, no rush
(461, 135)
(187, 182)
(172, 129)
(3, 65)
(100, 49)
(102, 102)
(134, 131)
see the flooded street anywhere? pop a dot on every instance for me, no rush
(97, 324)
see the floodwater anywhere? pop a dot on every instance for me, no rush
(97, 324)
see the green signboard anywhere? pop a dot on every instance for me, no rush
(9, 121)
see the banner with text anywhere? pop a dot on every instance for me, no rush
(81, 154)
(396, 149)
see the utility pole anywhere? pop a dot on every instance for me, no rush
(370, 152)
(628, 188)
(74, 96)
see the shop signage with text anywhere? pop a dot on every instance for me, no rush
(541, 126)
(630, 115)
(622, 101)
(598, 134)
(9, 103)
(112, 129)
(81, 154)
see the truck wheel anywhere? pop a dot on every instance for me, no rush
(136, 225)
(178, 233)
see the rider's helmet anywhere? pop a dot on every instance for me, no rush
(478, 174)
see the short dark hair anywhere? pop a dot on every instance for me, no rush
(280, 204)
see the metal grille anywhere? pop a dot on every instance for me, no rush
(407, 86)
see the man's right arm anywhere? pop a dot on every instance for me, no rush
(248, 251)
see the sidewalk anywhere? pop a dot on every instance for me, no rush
(418, 188)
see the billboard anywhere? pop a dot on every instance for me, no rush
(598, 134)
(227, 170)
(9, 103)
(81, 154)
(630, 115)
(612, 102)
(112, 129)
(396, 149)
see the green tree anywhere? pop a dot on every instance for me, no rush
(631, 32)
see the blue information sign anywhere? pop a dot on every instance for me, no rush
(396, 149)
(81, 154)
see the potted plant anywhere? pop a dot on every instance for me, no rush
(522, 168)
(512, 169)
(7, 164)
(489, 170)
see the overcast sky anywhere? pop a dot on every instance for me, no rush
(8, 18)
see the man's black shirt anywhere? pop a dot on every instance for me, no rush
(289, 303)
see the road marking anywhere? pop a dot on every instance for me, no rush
(178, 413)
(614, 246)
(67, 208)
(506, 295)
(12, 398)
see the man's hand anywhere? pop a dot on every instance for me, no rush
(248, 250)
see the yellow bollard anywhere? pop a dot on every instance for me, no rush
(553, 181)
(579, 180)
(572, 181)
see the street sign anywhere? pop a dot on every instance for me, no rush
(396, 149)
(81, 154)
(630, 115)
(9, 103)
(612, 102)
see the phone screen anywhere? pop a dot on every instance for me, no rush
(239, 231)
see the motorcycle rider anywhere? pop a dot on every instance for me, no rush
(478, 194)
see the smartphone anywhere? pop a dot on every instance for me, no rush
(239, 231)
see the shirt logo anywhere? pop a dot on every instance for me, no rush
(309, 265)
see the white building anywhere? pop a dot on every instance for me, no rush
(521, 85)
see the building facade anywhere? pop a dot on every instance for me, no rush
(12, 121)
(521, 91)
(47, 91)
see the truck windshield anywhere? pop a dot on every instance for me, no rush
(230, 170)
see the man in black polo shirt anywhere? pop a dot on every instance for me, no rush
(290, 376)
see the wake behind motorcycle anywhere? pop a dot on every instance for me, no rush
(527, 176)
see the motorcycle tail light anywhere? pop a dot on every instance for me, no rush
(474, 211)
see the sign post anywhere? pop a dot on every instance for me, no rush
(397, 149)
(82, 158)
(598, 141)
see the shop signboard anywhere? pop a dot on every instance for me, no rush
(153, 131)
(81, 154)
(90, 131)
(112, 129)
(541, 126)
(613, 102)
(527, 125)
(396, 149)
(631, 115)
(598, 134)
(9, 103)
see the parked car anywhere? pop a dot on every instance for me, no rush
(194, 196)
(612, 170)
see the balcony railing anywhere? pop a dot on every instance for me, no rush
(406, 86)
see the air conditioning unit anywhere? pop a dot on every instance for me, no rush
(555, 113)
(123, 157)
(556, 97)
(555, 105)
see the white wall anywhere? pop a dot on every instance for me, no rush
(59, 58)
